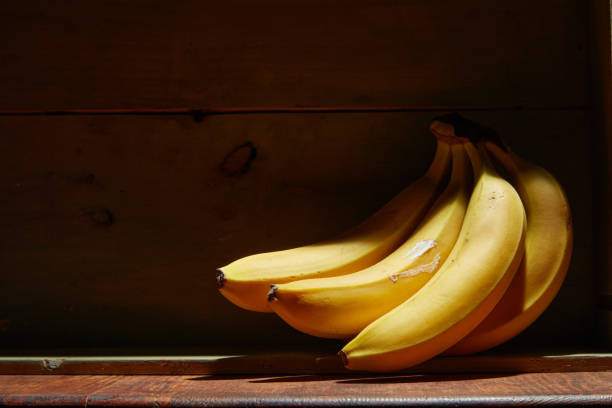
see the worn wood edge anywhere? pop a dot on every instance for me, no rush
(333, 401)
(471, 401)
(292, 363)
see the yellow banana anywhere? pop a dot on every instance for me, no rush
(548, 248)
(341, 306)
(246, 282)
(463, 291)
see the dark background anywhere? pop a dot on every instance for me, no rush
(123, 129)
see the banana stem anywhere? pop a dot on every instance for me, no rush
(439, 164)
(458, 177)
(475, 159)
(272, 292)
(485, 158)
(455, 126)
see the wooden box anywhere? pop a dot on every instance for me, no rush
(146, 143)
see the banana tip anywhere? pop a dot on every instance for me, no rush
(343, 357)
(272, 292)
(220, 277)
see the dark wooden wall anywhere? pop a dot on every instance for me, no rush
(236, 53)
(116, 211)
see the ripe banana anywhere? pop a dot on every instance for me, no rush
(548, 248)
(341, 306)
(246, 282)
(465, 289)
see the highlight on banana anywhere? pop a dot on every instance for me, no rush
(462, 260)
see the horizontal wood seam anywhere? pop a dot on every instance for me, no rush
(201, 112)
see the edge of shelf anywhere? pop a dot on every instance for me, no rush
(287, 362)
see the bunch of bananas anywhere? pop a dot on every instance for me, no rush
(452, 265)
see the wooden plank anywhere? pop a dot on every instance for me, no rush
(59, 391)
(601, 94)
(535, 389)
(296, 363)
(113, 226)
(158, 54)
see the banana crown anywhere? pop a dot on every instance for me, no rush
(441, 161)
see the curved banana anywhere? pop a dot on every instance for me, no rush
(465, 289)
(548, 248)
(341, 306)
(246, 282)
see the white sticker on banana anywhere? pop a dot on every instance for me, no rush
(429, 267)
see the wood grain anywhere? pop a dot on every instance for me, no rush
(113, 226)
(560, 389)
(236, 53)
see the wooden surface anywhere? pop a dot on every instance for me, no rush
(292, 362)
(158, 54)
(113, 226)
(544, 389)
(601, 91)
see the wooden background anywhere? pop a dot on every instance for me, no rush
(117, 208)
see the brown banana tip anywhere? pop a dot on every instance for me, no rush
(272, 292)
(343, 357)
(220, 277)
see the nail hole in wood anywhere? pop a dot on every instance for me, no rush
(238, 161)
(98, 216)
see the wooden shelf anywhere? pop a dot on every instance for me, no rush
(301, 378)
(288, 363)
(558, 389)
